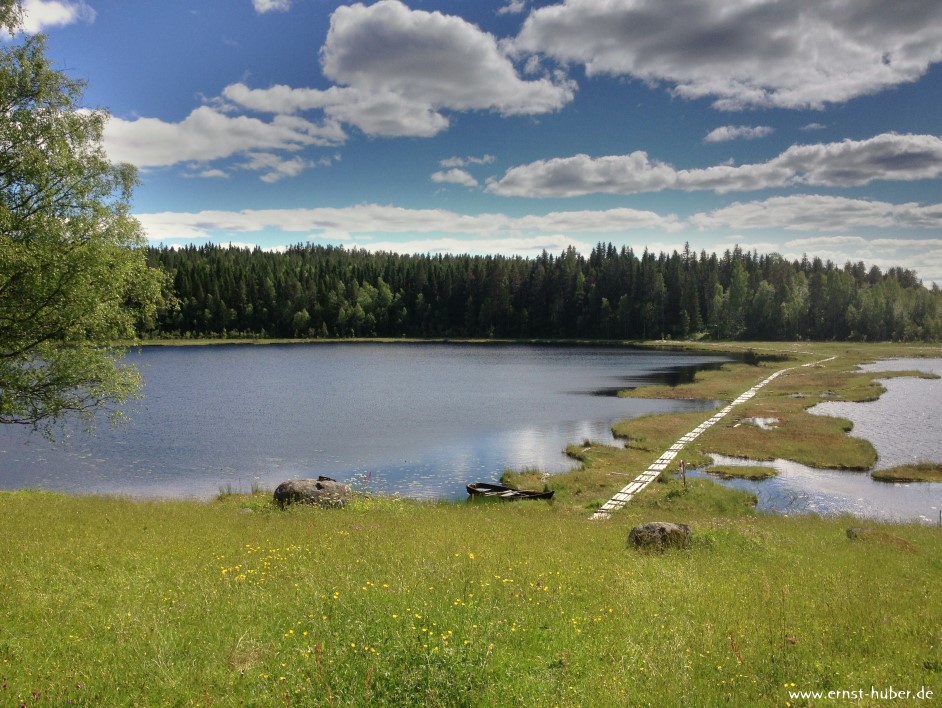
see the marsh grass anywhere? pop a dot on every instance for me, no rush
(919, 472)
(528, 478)
(741, 471)
(386, 602)
(813, 440)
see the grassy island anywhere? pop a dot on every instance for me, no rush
(741, 471)
(922, 472)
(107, 601)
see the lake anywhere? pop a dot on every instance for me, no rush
(420, 420)
(904, 425)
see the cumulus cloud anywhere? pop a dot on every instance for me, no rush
(454, 176)
(40, 15)
(396, 70)
(848, 163)
(208, 134)
(796, 54)
(737, 132)
(582, 174)
(813, 212)
(263, 6)
(428, 57)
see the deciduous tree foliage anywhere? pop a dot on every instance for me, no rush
(321, 291)
(73, 273)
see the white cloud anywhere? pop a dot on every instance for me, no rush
(396, 70)
(430, 58)
(465, 161)
(274, 166)
(858, 162)
(40, 15)
(263, 6)
(212, 174)
(737, 132)
(814, 126)
(207, 134)
(514, 7)
(278, 98)
(796, 54)
(620, 220)
(387, 114)
(582, 174)
(812, 212)
(848, 163)
(454, 176)
(371, 219)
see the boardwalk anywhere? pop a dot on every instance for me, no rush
(625, 494)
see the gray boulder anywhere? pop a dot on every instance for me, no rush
(322, 491)
(660, 535)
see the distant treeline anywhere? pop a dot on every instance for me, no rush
(322, 291)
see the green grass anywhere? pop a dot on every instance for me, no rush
(741, 471)
(920, 472)
(116, 602)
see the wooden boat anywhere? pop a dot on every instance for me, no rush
(497, 491)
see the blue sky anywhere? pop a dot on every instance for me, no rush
(794, 126)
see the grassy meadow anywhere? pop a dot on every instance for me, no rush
(107, 601)
(118, 602)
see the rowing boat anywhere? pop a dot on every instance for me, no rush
(498, 491)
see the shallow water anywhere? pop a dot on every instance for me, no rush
(801, 489)
(421, 420)
(904, 425)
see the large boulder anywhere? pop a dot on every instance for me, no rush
(659, 535)
(322, 491)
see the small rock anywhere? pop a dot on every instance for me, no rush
(322, 492)
(660, 535)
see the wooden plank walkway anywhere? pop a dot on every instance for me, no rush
(625, 494)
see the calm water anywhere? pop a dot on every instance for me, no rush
(904, 425)
(420, 420)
